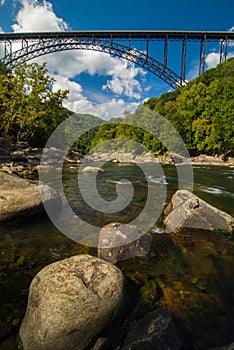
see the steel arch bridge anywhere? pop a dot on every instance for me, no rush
(116, 43)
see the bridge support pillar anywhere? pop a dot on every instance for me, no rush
(147, 48)
(165, 51)
(202, 55)
(223, 50)
(183, 60)
(8, 48)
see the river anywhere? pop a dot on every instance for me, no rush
(26, 247)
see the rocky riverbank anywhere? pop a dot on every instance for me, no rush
(23, 160)
(212, 160)
(147, 157)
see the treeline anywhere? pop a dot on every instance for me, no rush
(202, 112)
(133, 133)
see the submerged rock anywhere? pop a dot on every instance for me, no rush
(92, 169)
(187, 210)
(20, 198)
(102, 344)
(155, 331)
(70, 302)
(227, 347)
(118, 242)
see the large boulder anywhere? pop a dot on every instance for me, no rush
(70, 302)
(118, 242)
(20, 198)
(156, 331)
(187, 210)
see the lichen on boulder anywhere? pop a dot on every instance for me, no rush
(118, 242)
(187, 210)
(70, 302)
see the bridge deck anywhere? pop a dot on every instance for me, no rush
(122, 34)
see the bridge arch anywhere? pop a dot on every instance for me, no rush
(46, 46)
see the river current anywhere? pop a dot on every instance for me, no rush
(26, 247)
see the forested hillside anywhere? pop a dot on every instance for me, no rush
(202, 112)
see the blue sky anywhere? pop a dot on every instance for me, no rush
(98, 83)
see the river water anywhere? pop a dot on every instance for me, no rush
(152, 188)
(199, 269)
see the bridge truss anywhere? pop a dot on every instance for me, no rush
(22, 47)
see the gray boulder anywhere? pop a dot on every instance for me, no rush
(187, 210)
(70, 302)
(155, 331)
(118, 242)
(20, 198)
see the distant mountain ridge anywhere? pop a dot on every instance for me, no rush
(202, 112)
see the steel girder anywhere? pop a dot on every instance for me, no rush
(31, 50)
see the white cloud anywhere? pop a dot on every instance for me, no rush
(231, 54)
(2, 2)
(93, 62)
(130, 88)
(124, 75)
(115, 108)
(37, 17)
(79, 103)
(1, 45)
(212, 59)
(123, 78)
(231, 43)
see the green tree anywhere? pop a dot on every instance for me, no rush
(28, 103)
